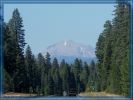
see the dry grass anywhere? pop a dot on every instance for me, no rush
(81, 94)
(17, 94)
(97, 94)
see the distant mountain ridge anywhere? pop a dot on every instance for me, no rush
(69, 50)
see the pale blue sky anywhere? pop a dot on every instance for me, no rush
(46, 24)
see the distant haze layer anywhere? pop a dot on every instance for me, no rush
(70, 50)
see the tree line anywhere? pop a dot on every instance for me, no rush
(24, 72)
(112, 51)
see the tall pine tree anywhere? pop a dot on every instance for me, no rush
(18, 42)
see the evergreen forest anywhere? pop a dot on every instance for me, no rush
(25, 72)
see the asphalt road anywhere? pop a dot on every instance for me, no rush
(66, 98)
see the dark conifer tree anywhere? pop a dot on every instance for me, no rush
(18, 42)
(30, 65)
(42, 80)
(120, 56)
(54, 66)
(76, 71)
(112, 52)
(48, 62)
(50, 86)
(84, 76)
(8, 55)
(65, 75)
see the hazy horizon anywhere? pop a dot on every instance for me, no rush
(46, 24)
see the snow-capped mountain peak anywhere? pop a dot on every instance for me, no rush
(65, 43)
(69, 49)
